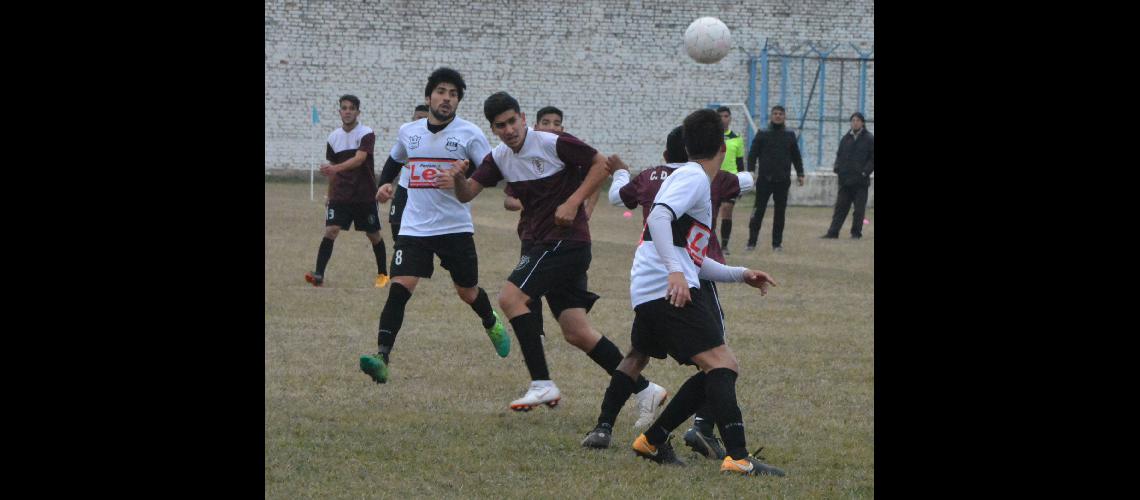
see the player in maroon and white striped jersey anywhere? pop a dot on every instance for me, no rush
(542, 169)
(351, 184)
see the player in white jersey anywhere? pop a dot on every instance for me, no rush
(400, 199)
(674, 316)
(542, 169)
(434, 221)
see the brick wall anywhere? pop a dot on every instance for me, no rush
(618, 69)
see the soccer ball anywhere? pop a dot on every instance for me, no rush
(707, 40)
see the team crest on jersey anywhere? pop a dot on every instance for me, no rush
(414, 142)
(538, 165)
(452, 144)
(523, 262)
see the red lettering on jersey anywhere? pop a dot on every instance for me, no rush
(698, 243)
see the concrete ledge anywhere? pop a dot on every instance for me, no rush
(820, 189)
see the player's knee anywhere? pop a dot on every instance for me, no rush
(467, 294)
(512, 297)
(331, 232)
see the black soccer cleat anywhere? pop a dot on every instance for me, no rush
(662, 453)
(599, 438)
(705, 445)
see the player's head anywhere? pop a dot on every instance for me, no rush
(508, 123)
(675, 146)
(548, 119)
(420, 112)
(857, 121)
(778, 115)
(444, 90)
(349, 108)
(704, 139)
(725, 116)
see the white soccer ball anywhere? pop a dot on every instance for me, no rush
(707, 40)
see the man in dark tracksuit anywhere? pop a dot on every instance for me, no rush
(776, 150)
(853, 165)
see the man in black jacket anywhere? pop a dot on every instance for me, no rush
(853, 165)
(775, 150)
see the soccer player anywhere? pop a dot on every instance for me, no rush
(674, 315)
(641, 191)
(434, 221)
(351, 182)
(733, 163)
(401, 198)
(540, 167)
(549, 120)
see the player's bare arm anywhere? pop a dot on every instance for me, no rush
(568, 210)
(465, 189)
(615, 163)
(678, 291)
(384, 193)
(759, 279)
(356, 161)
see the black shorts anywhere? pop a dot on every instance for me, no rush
(659, 328)
(363, 215)
(412, 256)
(556, 270)
(396, 212)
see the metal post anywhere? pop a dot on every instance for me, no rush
(801, 111)
(751, 95)
(839, 124)
(784, 81)
(764, 83)
(822, 94)
(863, 77)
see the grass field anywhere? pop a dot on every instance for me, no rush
(441, 428)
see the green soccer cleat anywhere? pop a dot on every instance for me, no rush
(499, 337)
(375, 367)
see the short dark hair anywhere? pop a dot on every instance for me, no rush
(421, 107)
(445, 75)
(703, 134)
(724, 109)
(860, 115)
(350, 98)
(779, 107)
(675, 146)
(499, 102)
(546, 111)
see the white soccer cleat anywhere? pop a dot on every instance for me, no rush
(650, 402)
(541, 392)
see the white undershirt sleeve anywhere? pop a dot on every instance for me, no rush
(660, 223)
(715, 271)
(621, 178)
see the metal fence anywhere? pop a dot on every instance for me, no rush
(818, 96)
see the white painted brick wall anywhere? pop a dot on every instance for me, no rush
(617, 68)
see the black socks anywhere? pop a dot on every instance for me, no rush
(618, 392)
(381, 257)
(689, 397)
(482, 307)
(323, 255)
(393, 316)
(720, 389)
(528, 329)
